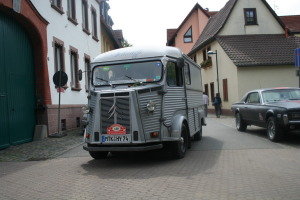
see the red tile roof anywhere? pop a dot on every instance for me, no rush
(292, 22)
(259, 50)
(212, 13)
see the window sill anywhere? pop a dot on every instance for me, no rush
(65, 87)
(74, 21)
(251, 24)
(86, 31)
(58, 9)
(96, 39)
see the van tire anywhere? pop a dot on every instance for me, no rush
(98, 155)
(179, 148)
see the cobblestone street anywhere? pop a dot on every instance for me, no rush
(226, 164)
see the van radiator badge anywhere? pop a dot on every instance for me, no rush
(116, 129)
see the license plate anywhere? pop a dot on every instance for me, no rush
(116, 138)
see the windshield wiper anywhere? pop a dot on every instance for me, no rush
(101, 79)
(136, 81)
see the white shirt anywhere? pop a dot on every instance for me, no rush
(205, 99)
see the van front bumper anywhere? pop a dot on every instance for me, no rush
(96, 148)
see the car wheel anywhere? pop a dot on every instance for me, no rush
(179, 148)
(198, 135)
(240, 123)
(274, 131)
(98, 155)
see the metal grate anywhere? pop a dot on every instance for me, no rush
(115, 110)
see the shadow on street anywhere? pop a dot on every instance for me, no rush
(144, 165)
(291, 139)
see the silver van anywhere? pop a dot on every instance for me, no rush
(142, 99)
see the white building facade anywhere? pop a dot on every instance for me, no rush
(73, 39)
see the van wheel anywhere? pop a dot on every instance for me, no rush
(275, 133)
(98, 155)
(198, 135)
(240, 123)
(179, 148)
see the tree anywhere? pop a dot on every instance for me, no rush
(126, 44)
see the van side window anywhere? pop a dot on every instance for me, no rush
(187, 74)
(174, 75)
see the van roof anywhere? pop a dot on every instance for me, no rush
(130, 53)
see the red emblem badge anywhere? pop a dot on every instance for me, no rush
(116, 129)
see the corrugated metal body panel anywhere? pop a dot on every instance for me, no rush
(191, 120)
(150, 121)
(197, 124)
(174, 101)
(92, 105)
(20, 81)
(195, 98)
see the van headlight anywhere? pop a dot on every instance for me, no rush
(86, 109)
(151, 106)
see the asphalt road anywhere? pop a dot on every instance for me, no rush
(226, 164)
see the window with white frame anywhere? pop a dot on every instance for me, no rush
(57, 5)
(94, 23)
(75, 85)
(85, 16)
(188, 36)
(72, 11)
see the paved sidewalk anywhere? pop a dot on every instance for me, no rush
(42, 149)
(225, 120)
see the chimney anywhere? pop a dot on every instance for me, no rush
(286, 30)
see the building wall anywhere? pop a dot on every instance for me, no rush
(227, 70)
(267, 24)
(198, 21)
(72, 35)
(250, 78)
(107, 44)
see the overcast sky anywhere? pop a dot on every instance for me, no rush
(144, 22)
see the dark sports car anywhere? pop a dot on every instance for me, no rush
(277, 109)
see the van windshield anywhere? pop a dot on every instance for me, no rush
(143, 72)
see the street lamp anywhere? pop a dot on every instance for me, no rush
(216, 53)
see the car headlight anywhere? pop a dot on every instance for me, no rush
(151, 106)
(85, 109)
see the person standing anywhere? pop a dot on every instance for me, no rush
(206, 103)
(217, 103)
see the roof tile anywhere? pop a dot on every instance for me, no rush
(258, 50)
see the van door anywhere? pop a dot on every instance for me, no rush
(193, 100)
(175, 98)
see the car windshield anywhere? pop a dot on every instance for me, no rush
(143, 72)
(281, 95)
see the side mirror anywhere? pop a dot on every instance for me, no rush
(180, 62)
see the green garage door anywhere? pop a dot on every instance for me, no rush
(17, 89)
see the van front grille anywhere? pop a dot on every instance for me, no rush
(115, 110)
